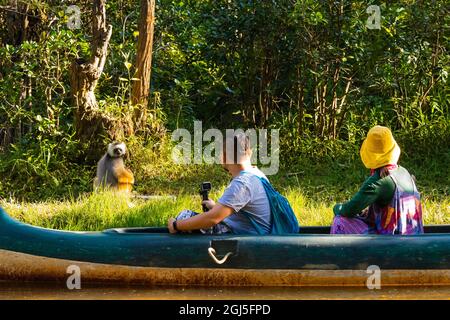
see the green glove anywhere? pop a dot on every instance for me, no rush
(337, 209)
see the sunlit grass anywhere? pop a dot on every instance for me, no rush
(99, 211)
(436, 212)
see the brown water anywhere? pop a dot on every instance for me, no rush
(10, 290)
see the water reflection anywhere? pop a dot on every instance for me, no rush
(36, 290)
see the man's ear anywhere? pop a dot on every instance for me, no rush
(226, 167)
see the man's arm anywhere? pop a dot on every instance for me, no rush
(204, 220)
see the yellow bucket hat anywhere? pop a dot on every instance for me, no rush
(379, 148)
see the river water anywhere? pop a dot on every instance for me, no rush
(50, 291)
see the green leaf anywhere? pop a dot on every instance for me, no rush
(128, 65)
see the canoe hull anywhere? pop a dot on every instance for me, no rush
(305, 252)
(134, 256)
(25, 267)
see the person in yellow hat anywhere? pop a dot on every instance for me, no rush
(388, 201)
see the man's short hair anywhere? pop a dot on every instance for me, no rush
(237, 148)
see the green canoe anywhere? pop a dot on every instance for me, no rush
(152, 256)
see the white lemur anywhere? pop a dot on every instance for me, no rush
(111, 171)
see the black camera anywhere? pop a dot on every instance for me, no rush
(205, 187)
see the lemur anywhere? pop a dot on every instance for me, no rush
(111, 171)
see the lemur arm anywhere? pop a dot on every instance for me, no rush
(123, 175)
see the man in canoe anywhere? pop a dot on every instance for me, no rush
(249, 205)
(388, 201)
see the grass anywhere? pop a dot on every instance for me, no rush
(311, 186)
(311, 198)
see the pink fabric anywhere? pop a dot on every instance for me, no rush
(343, 225)
(389, 166)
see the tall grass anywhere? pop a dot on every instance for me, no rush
(312, 183)
(99, 211)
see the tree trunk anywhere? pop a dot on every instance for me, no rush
(90, 122)
(141, 87)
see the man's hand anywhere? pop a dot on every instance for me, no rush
(170, 226)
(209, 203)
(201, 221)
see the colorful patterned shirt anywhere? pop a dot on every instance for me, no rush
(374, 190)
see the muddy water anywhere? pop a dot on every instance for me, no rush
(10, 290)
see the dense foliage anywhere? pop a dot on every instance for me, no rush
(310, 68)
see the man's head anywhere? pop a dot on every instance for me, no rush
(236, 150)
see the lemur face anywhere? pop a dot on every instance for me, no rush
(117, 149)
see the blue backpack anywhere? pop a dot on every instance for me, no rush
(283, 217)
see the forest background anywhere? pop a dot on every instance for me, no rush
(316, 70)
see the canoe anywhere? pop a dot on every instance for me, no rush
(153, 256)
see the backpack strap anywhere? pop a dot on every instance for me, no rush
(283, 217)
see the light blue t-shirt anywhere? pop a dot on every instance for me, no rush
(246, 192)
